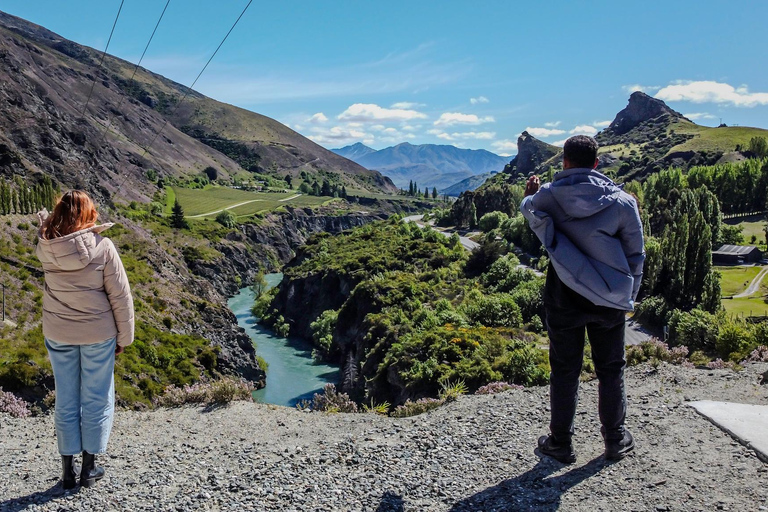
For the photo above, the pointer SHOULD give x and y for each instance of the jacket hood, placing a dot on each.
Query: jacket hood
(583, 192)
(71, 252)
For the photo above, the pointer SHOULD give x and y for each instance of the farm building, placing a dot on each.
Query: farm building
(736, 255)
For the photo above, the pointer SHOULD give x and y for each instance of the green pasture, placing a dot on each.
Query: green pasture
(211, 200)
(734, 280)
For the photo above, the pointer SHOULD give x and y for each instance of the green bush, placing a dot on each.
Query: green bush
(696, 329)
(498, 310)
(492, 220)
(227, 219)
(735, 340)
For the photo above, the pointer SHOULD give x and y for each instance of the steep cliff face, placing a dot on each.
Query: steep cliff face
(640, 108)
(532, 155)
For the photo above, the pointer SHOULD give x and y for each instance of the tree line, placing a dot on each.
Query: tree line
(16, 197)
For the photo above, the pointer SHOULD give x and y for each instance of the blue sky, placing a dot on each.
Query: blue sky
(473, 74)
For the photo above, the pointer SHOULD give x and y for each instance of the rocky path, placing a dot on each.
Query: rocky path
(475, 454)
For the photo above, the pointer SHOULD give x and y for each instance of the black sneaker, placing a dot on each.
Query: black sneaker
(561, 452)
(617, 449)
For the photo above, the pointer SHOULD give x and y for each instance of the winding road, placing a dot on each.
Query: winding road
(754, 285)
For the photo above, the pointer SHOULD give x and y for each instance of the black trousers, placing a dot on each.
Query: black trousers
(566, 328)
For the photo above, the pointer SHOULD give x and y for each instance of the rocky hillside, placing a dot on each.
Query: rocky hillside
(45, 127)
(533, 157)
(475, 454)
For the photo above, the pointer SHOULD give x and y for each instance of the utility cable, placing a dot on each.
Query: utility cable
(93, 84)
(130, 81)
(189, 89)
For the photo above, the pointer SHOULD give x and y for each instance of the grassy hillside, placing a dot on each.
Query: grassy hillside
(708, 139)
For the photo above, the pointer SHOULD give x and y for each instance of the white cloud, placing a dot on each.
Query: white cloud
(601, 124)
(464, 135)
(369, 112)
(642, 88)
(559, 143)
(695, 116)
(584, 129)
(544, 132)
(339, 135)
(479, 99)
(318, 118)
(712, 92)
(410, 128)
(553, 124)
(452, 118)
(504, 147)
(407, 105)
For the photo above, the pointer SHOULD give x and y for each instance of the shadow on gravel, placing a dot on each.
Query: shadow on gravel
(35, 499)
(391, 502)
(532, 490)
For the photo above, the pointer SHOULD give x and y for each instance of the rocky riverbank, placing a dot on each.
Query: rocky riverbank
(473, 454)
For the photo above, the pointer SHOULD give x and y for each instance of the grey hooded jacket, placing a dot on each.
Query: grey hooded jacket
(592, 231)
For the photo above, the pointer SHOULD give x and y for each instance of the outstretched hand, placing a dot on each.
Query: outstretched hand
(532, 185)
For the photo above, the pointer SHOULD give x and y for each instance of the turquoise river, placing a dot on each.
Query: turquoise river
(292, 374)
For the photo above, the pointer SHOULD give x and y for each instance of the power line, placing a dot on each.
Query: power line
(93, 84)
(109, 121)
(189, 89)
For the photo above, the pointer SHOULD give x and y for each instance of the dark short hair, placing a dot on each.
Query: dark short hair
(580, 151)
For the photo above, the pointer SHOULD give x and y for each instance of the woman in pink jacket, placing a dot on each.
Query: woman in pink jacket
(87, 320)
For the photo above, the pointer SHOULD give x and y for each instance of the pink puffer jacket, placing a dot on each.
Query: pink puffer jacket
(87, 297)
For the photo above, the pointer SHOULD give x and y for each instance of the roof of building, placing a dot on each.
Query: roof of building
(737, 250)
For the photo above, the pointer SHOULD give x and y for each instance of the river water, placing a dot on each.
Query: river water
(292, 374)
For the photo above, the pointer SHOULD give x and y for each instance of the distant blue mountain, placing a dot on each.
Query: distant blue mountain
(354, 152)
(429, 165)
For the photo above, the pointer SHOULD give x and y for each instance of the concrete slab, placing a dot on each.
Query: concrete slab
(747, 423)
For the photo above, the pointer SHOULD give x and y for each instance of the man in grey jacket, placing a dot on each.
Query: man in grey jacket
(593, 234)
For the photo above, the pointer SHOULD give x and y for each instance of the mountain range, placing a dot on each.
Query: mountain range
(428, 165)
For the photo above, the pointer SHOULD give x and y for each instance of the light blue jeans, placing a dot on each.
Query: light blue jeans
(85, 395)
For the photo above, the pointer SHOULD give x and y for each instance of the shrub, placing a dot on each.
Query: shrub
(452, 390)
(329, 400)
(759, 355)
(697, 329)
(499, 310)
(733, 340)
(653, 311)
(227, 219)
(492, 220)
(418, 407)
(224, 390)
(496, 387)
(13, 405)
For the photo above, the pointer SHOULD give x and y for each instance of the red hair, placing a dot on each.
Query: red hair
(74, 211)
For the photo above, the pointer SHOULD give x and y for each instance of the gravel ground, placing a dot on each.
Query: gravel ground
(473, 454)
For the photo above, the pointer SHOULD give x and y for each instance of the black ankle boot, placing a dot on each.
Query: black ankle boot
(68, 472)
(91, 473)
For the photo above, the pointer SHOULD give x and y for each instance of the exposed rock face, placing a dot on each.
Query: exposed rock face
(531, 154)
(641, 108)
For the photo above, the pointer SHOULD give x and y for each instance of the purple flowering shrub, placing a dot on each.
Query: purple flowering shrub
(225, 390)
(759, 355)
(329, 400)
(496, 387)
(13, 405)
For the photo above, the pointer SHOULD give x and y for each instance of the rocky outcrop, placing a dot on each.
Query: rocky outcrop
(641, 108)
(532, 154)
